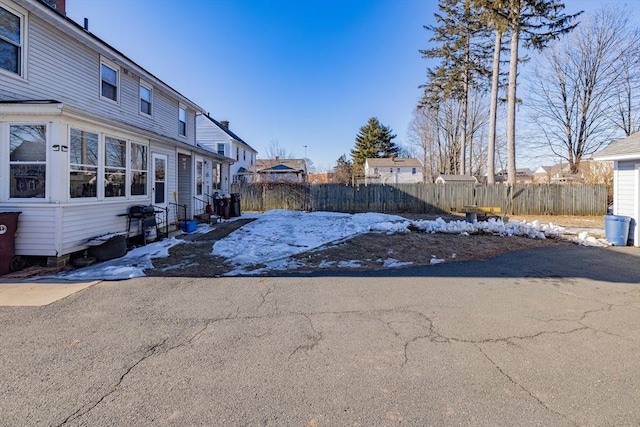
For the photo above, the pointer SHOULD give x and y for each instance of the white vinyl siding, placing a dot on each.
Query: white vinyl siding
(626, 190)
(60, 68)
(627, 195)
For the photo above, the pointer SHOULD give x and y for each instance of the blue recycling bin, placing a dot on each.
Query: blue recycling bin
(616, 229)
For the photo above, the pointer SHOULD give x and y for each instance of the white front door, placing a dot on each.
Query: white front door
(159, 182)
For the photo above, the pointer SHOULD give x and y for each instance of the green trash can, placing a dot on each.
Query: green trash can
(8, 229)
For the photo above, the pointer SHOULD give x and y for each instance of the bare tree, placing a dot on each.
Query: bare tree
(573, 95)
(422, 137)
(625, 105)
(274, 150)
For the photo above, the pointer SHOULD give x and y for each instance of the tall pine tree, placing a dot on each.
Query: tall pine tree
(535, 23)
(463, 49)
(373, 141)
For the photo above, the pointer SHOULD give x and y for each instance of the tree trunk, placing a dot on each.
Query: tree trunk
(491, 144)
(511, 100)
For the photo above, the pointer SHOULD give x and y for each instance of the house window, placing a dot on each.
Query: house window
(109, 77)
(413, 171)
(182, 121)
(221, 149)
(244, 154)
(375, 171)
(237, 153)
(27, 161)
(139, 174)
(11, 41)
(83, 159)
(391, 170)
(145, 99)
(199, 175)
(251, 159)
(115, 162)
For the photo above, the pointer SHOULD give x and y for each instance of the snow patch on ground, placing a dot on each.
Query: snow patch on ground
(269, 242)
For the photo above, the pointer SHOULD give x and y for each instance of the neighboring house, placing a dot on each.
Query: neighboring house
(281, 170)
(456, 179)
(588, 171)
(625, 154)
(87, 133)
(523, 175)
(216, 136)
(321, 178)
(392, 170)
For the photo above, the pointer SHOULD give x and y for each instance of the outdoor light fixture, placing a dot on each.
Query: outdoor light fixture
(56, 147)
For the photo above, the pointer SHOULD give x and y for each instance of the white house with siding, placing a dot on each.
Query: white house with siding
(87, 133)
(216, 136)
(625, 154)
(392, 170)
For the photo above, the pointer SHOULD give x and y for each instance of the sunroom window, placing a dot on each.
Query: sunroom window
(115, 162)
(139, 174)
(83, 159)
(27, 161)
(11, 41)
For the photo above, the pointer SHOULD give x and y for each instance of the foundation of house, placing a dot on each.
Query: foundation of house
(58, 261)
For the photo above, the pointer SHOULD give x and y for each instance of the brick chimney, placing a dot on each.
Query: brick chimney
(59, 6)
(225, 123)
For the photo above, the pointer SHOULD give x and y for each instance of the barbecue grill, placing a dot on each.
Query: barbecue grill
(145, 216)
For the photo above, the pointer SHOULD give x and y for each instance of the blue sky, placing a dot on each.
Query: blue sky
(299, 72)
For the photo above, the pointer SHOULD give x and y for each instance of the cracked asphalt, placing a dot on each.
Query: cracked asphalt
(548, 336)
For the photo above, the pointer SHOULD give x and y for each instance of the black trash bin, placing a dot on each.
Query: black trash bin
(226, 207)
(8, 228)
(235, 204)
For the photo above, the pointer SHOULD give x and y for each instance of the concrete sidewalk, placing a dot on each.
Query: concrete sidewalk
(22, 293)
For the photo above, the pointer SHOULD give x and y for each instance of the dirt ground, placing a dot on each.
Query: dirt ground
(372, 250)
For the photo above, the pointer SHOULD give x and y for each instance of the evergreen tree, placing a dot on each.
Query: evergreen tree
(342, 170)
(373, 141)
(463, 49)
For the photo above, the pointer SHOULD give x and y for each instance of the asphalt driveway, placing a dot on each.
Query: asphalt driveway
(540, 337)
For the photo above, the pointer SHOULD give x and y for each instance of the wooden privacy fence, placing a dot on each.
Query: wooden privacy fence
(519, 199)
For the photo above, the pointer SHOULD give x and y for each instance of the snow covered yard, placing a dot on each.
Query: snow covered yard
(282, 240)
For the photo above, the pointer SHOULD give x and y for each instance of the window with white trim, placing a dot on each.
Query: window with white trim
(11, 41)
(27, 160)
(115, 166)
(221, 149)
(146, 92)
(83, 163)
(237, 153)
(182, 121)
(138, 165)
(110, 78)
